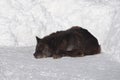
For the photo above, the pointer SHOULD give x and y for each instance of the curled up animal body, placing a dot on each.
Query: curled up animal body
(74, 42)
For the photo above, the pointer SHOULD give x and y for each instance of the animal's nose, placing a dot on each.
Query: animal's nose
(35, 55)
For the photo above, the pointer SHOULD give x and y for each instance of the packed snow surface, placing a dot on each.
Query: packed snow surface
(19, 64)
(22, 20)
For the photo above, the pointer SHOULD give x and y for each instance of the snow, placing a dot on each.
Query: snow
(22, 20)
(19, 64)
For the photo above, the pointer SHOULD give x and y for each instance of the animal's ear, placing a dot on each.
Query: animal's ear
(38, 39)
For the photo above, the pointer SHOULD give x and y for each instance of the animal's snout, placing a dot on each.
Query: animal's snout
(35, 55)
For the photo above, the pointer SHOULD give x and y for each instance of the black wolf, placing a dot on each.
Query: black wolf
(74, 42)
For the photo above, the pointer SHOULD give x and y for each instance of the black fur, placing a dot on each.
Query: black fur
(73, 42)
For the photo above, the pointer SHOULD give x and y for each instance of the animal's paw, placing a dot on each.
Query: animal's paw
(55, 56)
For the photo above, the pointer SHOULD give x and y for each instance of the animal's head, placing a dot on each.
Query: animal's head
(42, 49)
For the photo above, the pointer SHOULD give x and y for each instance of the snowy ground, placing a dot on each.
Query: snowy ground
(19, 64)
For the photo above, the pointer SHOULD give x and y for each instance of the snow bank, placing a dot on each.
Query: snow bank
(112, 41)
(22, 20)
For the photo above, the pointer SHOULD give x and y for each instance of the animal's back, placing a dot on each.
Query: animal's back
(73, 42)
(89, 44)
(55, 40)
